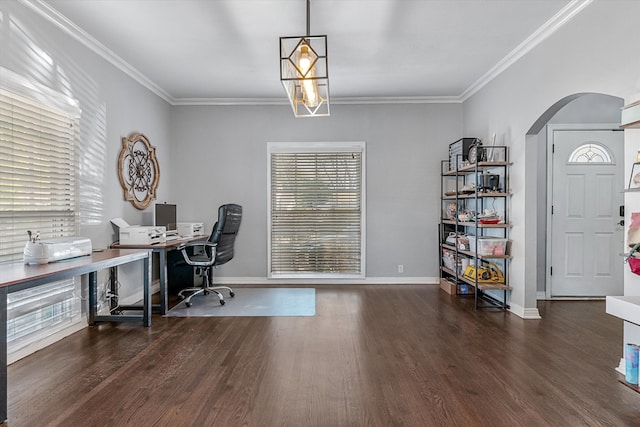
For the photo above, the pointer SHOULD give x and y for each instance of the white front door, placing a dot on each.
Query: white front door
(586, 237)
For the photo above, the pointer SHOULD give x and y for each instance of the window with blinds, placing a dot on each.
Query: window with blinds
(37, 173)
(316, 210)
(38, 193)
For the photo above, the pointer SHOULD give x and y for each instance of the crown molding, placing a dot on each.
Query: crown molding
(334, 101)
(229, 101)
(63, 23)
(548, 28)
(557, 21)
(67, 26)
(398, 100)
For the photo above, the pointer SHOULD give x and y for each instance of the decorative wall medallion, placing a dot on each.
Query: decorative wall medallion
(138, 170)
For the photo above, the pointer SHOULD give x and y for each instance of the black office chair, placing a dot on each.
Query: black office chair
(216, 251)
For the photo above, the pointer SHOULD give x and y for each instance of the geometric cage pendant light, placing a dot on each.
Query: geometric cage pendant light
(304, 73)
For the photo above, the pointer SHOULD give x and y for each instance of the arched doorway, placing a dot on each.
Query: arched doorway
(578, 109)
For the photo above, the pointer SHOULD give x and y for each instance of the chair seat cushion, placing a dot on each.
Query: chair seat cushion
(199, 258)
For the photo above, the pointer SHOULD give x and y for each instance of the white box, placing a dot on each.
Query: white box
(488, 246)
(190, 229)
(143, 235)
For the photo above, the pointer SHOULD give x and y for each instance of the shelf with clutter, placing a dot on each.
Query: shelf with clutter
(474, 226)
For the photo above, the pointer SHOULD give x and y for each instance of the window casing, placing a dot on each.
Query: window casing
(316, 210)
(39, 193)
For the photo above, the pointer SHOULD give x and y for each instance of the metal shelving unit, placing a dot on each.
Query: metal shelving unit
(460, 193)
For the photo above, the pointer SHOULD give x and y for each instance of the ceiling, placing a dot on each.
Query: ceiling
(226, 51)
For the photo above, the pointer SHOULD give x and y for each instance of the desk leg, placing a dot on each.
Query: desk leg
(113, 286)
(164, 301)
(93, 296)
(95, 318)
(3, 351)
(146, 284)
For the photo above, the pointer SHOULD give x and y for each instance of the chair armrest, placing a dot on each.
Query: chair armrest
(203, 244)
(199, 260)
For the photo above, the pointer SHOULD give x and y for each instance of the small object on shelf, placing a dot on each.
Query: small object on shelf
(473, 154)
(448, 259)
(489, 273)
(489, 217)
(634, 179)
(488, 246)
(467, 216)
(463, 243)
(489, 220)
(468, 188)
(451, 210)
(488, 182)
(451, 239)
(459, 152)
(458, 240)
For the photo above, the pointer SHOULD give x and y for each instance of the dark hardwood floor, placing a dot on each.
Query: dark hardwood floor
(397, 355)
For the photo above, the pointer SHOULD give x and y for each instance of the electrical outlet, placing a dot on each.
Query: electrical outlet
(400, 268)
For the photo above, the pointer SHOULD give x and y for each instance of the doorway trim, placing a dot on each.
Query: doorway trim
(551, 128)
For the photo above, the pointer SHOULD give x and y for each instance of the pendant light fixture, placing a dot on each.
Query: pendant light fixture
(304, 72)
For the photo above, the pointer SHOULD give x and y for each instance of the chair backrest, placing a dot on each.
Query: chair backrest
(225, 231)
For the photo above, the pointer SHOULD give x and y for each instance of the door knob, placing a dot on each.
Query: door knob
(621, 223)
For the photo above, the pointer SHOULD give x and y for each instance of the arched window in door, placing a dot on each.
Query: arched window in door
(591, 152)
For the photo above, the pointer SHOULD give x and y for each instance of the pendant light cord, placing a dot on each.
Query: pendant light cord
(308, 18)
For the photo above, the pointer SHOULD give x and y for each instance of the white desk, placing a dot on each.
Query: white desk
(161, 249)
(18, 276)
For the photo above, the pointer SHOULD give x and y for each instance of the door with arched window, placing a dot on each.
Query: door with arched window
(586, 237)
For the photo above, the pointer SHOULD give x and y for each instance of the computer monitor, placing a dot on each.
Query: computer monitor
(166, 216)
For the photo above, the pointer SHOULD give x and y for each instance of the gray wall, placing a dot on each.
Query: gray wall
(201, 148)
(219, 155)
(113, 106)
(212, 155)
(595, 52)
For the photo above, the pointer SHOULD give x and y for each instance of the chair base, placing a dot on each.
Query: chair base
(205, 290)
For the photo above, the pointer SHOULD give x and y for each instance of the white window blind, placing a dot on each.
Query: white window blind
(38, 192)
(316, 211)
(37, 173)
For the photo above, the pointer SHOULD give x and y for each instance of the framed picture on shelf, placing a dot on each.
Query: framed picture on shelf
(634, 179)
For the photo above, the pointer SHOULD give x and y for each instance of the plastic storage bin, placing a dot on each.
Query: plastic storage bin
(448, 259)
(488, 246)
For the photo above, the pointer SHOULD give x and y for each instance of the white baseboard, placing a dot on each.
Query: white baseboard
(621, 367)
(307, 281)
(525, 313)
(78, 326)
(231, 281)
(40, 344)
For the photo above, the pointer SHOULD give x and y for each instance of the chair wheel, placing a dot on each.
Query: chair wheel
(232, 294)
(222, 302)
(188, 304)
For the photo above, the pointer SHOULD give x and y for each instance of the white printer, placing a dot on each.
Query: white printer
(143, 235)
(190, 229)
(38, 251)
(139, 234)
